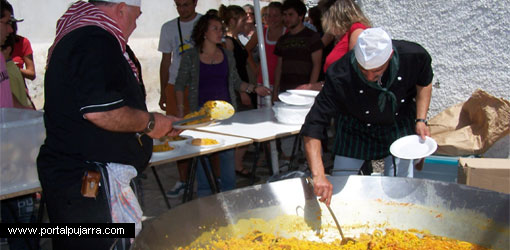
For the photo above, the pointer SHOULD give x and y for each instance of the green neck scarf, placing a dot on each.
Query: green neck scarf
(385, 94)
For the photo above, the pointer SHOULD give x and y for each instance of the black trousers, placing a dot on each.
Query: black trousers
(65, 204)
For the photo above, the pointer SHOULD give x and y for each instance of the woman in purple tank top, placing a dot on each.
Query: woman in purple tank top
(210, 73)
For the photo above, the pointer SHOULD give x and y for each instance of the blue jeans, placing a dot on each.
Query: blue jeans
(227, 178)
(350, 166)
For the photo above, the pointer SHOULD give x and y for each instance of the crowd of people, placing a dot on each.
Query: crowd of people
(375, 89)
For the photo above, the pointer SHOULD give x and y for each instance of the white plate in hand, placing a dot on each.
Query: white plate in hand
(304, 92)
(413, 147)
(293, 99)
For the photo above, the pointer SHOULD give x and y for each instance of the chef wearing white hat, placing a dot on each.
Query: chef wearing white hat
(377, 93)
(373, 49)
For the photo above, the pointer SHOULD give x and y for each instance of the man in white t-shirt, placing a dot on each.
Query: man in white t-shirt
(175, 38)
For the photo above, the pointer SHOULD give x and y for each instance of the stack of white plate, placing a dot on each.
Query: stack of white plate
(295, 106)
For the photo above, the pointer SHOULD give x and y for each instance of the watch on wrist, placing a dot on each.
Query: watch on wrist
(150, 125)
(421, 120)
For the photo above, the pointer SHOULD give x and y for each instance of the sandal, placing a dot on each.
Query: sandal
(244, 173)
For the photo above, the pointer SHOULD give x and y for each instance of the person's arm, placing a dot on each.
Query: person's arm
(423, 95)
(249, 47)
(318, 119)
(259, 89)
(179, 100)
(322, 187)
(104, 103)
(328, 104)
(164, 75)
(311, 86)
(277, 77)
(240, 85)
(29, 71)
(245, 98)
(354, 38)
(316, 60)
(126, 119)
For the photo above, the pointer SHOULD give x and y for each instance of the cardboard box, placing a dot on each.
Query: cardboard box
(487, 173)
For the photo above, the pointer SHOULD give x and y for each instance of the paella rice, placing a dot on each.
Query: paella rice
(197, 113)
(162, 147)
(291, 232)
(217, 110)
(204, 142)
(390, 239)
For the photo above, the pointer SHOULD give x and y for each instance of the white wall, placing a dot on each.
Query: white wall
(468, 40)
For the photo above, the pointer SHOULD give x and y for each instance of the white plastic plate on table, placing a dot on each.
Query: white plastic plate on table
(220, 143)
(293, 99)
(168, 153)
(304, 92)
(193, 125)
(413, 147)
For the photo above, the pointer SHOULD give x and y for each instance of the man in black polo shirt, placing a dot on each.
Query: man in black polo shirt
(96, 119)
(377, 93)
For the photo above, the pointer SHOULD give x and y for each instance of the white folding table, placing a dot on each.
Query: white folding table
(187, 151)
(260, 125)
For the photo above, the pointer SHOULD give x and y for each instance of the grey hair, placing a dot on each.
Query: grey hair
(101, 3)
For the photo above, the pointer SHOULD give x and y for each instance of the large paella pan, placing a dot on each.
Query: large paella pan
(362, 204)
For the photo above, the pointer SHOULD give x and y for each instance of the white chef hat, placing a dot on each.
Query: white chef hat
(373, 48)
(128, 2)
